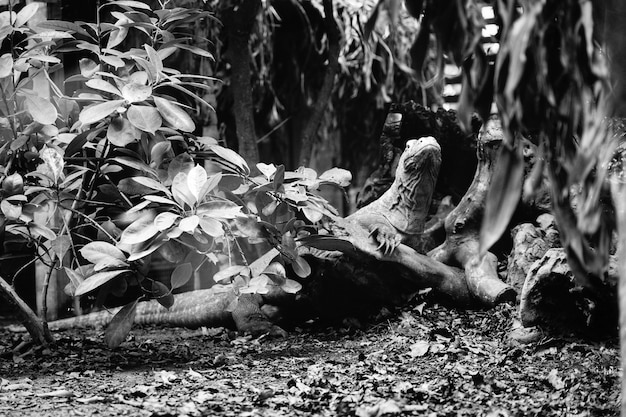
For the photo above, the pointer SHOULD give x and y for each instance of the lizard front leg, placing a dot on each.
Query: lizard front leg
(386, 236)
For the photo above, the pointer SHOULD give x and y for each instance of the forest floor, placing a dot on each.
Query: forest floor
(426, 361)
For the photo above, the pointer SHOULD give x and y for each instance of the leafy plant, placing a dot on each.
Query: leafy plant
(108, 174)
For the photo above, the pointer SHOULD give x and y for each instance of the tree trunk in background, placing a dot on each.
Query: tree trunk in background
(317, 112)
(239, 19)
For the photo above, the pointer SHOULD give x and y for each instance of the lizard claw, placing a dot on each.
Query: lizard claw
(387, 240)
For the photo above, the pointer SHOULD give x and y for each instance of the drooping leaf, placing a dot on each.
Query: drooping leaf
(219, 209)
(174, 115)
(262, 262)
(165, 220)
(96, 251)
(97, 112)
(342, 177)
(290, 286)
(6, 65)
(88, 67)
(112, 60)
(129, 3)
(42, 110)
(162, 294)
(27, 12)
(211, 226)
(97, 280)
(38, 229)
(11, 211)
(301, 267)
(146, 118)
(228, 272)
(151, 183)
(181, 275)
(140, 230)
(230, 159)
(120, 325)
(121, 132)
(503, 196)
(102, 85)
(60, 245)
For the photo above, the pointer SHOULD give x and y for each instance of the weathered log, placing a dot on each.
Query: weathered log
(463, 227)
(552, 299)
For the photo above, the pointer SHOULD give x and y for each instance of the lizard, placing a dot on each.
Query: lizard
(396, 217)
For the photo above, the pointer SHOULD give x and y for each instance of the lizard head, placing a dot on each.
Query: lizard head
(420, 160)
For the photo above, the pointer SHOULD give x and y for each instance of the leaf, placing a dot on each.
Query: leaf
(88, 67)
(189, 224)
(181, 275)
(174, 115)
(146, 118)
(329, 243)
(133, 163)
(41, 230)
(162, 294)
(156, 244)
(266, 170)
(13, 184)
(102, 85)
(112, 60)
(151, 183)
(419, 348)
(140, 230)
(97, 112)
(181, 192)
(62, 26)
(342, 177)
(129, 3)
(301, 267)
(211, 227)
(117, 35)
(290, 286)
(10, 211)
(134, 92)
(503, 196)
(219, 210)
(6, 65)
(165, 220)
(121, 132)
(233, 160)
(228, 272)
(27, 12)
(61, 245)
(97, 280)
(196, 178)
(42, 110)
(257, 285)
(54, 162)
(95, 252)
(120, 325)
(262, 262)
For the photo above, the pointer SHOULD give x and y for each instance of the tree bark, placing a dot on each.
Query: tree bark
(239, 19)
(35, 326)
(463, 228)
(310, 129)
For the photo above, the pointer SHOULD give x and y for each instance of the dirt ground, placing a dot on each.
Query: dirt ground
(426, 361)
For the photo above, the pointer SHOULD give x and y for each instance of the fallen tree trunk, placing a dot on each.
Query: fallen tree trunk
(462, 225)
